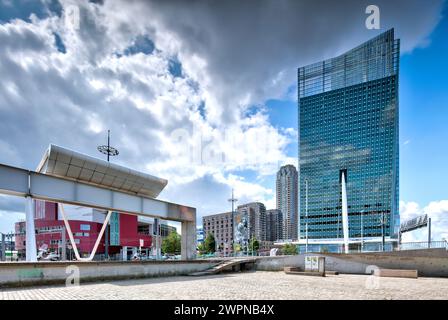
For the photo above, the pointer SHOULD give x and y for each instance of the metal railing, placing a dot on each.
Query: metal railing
(423, 245)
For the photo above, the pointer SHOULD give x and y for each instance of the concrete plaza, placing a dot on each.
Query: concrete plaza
(245, 285)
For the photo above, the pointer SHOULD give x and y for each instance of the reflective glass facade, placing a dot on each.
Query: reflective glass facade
(348, 121)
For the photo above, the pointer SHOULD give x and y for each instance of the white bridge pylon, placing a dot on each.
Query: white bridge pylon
(344, 213)
(72, 240)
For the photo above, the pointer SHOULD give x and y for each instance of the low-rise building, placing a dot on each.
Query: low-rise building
(220, 226)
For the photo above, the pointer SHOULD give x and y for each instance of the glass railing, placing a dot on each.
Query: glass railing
(423, 245)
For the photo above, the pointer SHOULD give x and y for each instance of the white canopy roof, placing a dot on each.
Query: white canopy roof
(62, 162)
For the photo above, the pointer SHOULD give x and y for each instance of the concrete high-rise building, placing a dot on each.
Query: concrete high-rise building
(274, 225)
(348, 146)
(221, 227)
(250, 221)
(287, 200)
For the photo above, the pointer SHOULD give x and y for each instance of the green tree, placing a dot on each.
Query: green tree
(289, 249)
(254, 245)
(210, 243)
(201, 248)
(171, 244)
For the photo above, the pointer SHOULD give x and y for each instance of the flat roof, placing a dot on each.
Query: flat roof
(61, 162)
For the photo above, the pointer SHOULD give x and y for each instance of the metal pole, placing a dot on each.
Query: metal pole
(429, 233)
(233, 200)
(362, 231)
(106, 243)
(64, 245)
(233, 219)
(382, 231)
(108, 144)
(3, 258)
(306, 215)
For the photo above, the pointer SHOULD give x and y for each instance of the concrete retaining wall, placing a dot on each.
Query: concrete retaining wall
(40, 273)
(429, 263)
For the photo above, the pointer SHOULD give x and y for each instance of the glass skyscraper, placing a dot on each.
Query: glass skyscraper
(348, 122)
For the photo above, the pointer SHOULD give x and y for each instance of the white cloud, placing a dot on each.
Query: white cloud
(436, 210)
(71, 99)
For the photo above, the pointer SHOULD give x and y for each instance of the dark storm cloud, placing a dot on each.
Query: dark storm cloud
(247, 44)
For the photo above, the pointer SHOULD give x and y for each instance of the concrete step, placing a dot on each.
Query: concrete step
(331, 273)
(398, 273)
(299, 271)
(307, 273)
(292, 269)
(220, 267)
(201, 273)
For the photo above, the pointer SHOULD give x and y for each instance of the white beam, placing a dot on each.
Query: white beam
(21, 182)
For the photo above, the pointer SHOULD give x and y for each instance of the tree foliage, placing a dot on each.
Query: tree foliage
(289, 249)
(201, 248)
(237, 247)
(171, 244)
(254, 244)
(210, 244)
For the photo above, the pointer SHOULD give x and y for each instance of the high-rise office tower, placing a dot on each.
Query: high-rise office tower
(250, 221)
(287, 202)
(274, 225)
(348, 145)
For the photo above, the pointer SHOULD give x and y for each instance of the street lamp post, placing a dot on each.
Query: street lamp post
(306, 215)
(109, 151)
(383, 244)
(362, 230)
(233, 200)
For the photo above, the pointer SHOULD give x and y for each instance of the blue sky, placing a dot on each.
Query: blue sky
(424, 119)
(156, 67)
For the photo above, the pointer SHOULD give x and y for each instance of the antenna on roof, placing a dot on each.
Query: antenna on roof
(108, 150)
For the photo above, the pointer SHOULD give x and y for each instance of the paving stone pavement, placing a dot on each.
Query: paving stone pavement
(245, 285)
